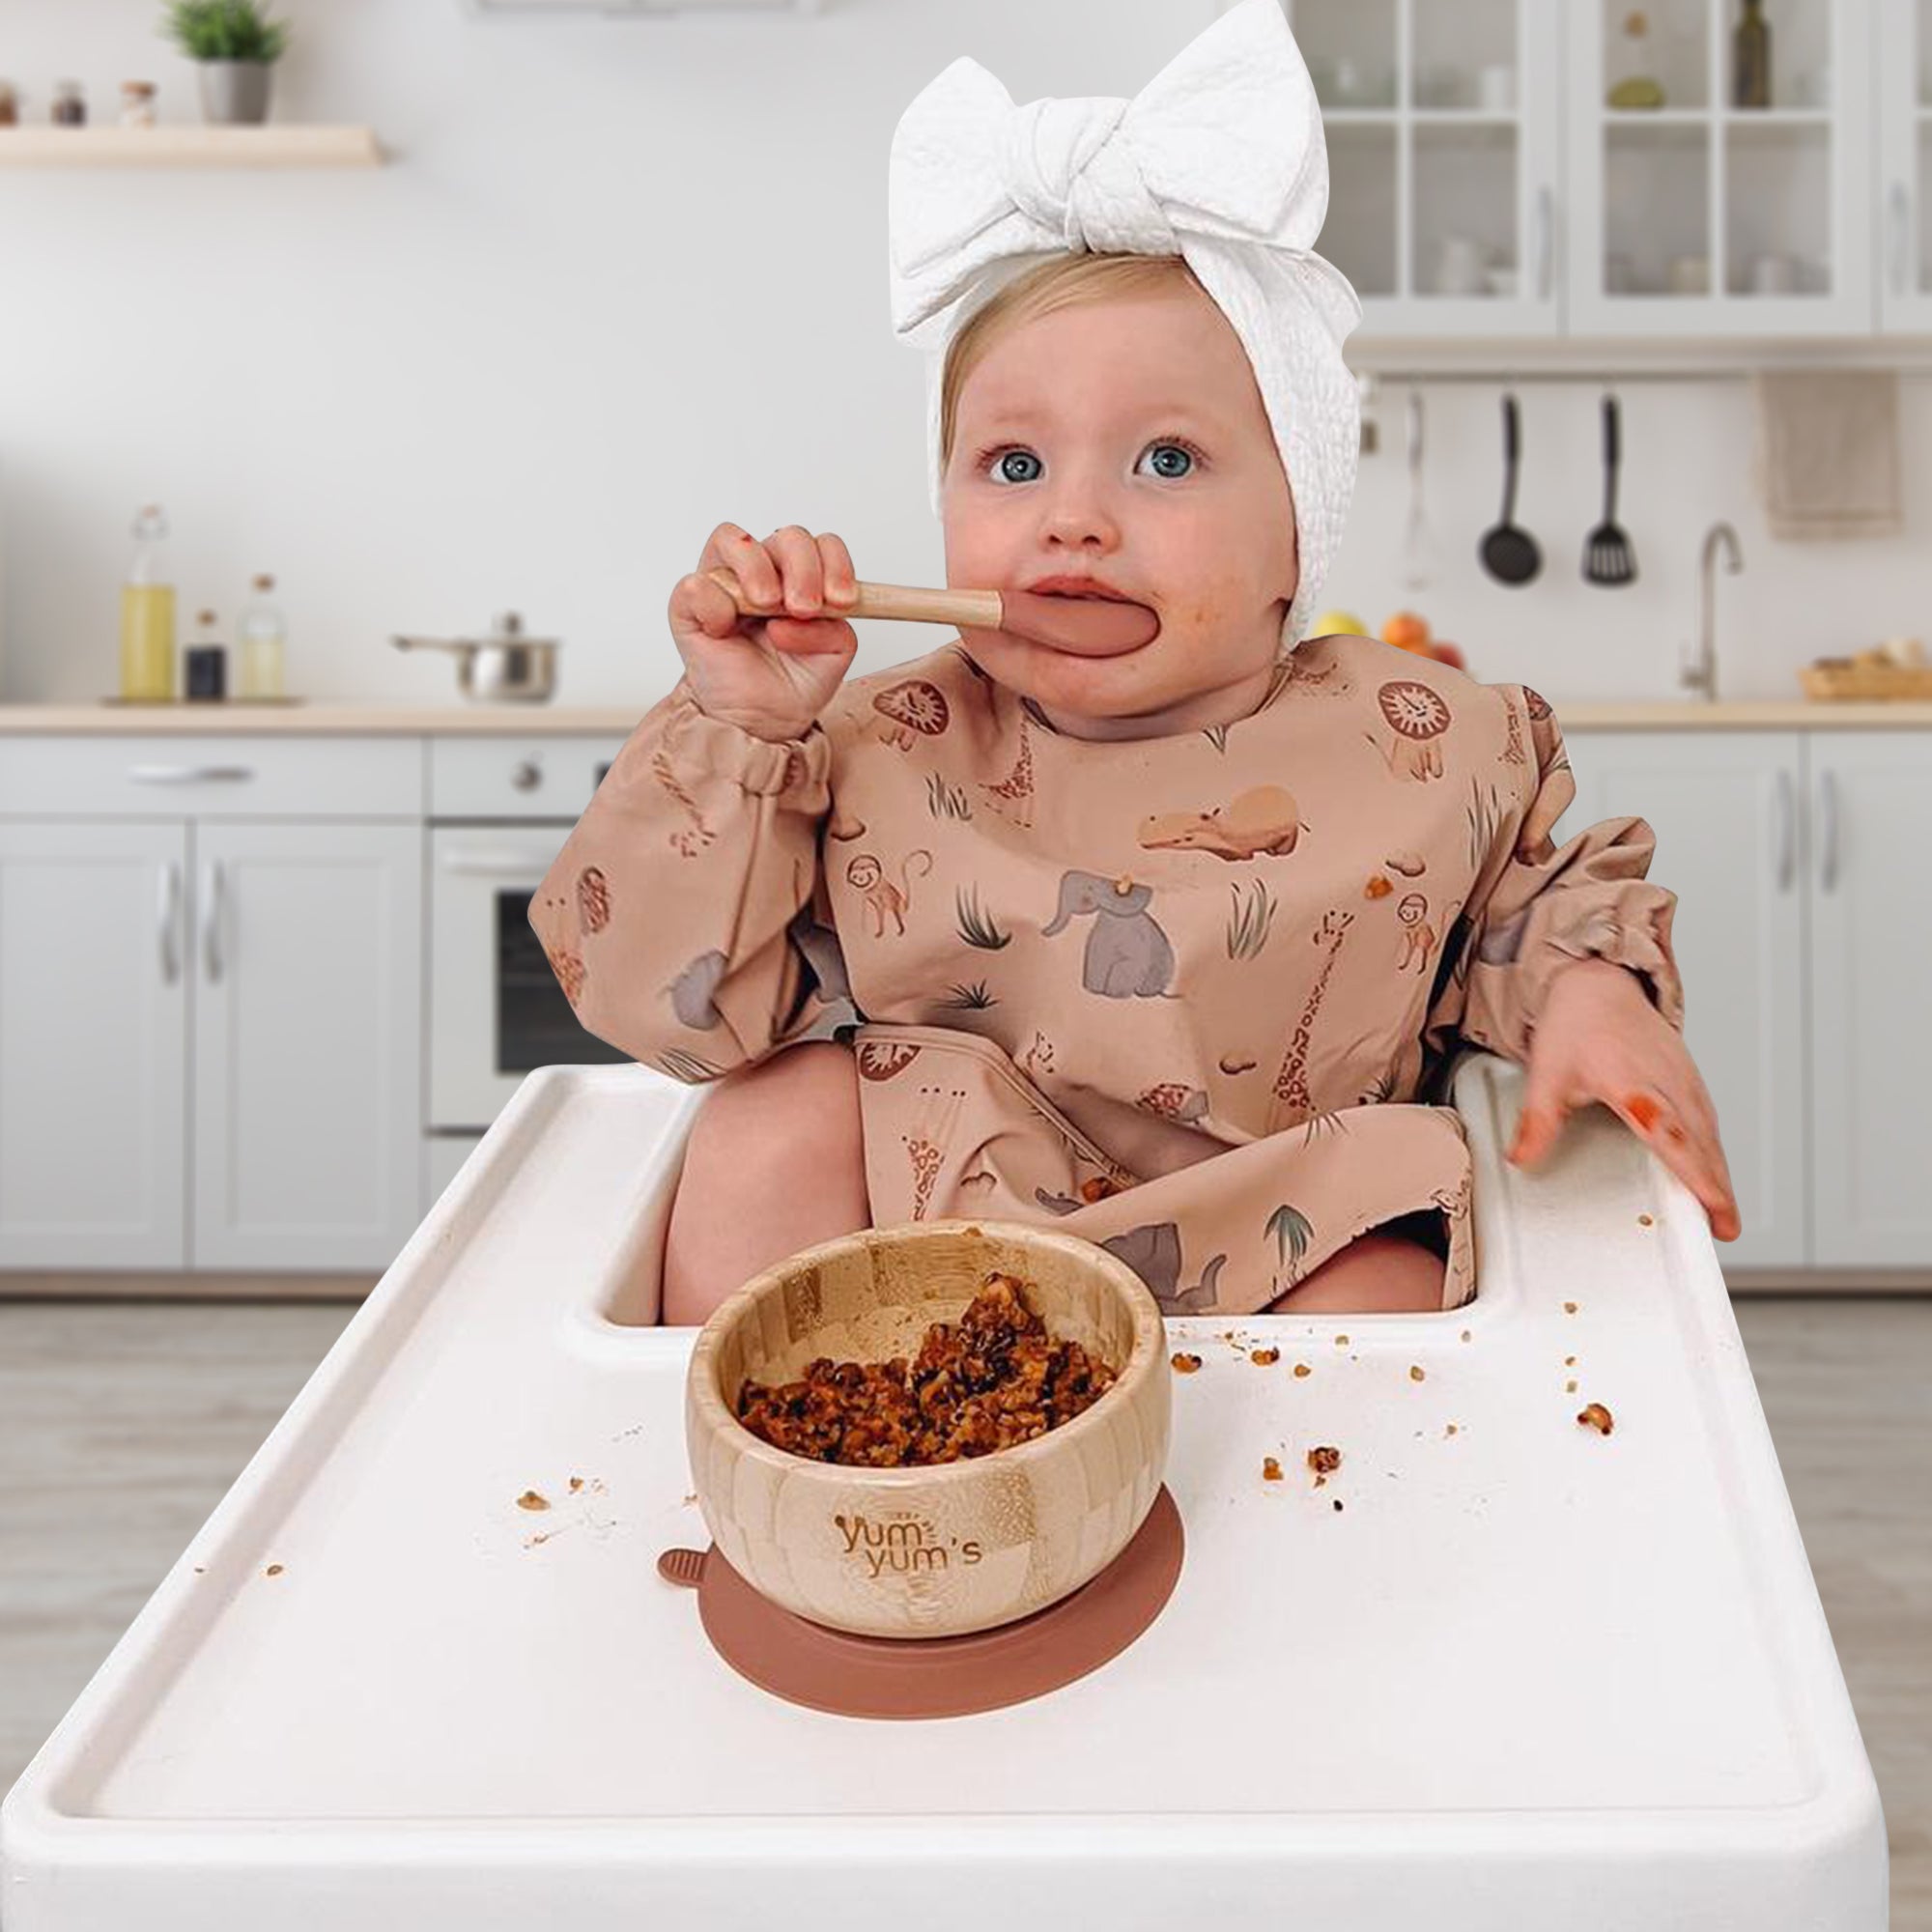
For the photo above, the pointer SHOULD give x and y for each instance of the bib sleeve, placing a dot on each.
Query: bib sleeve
(671, 916)
(1540, 907)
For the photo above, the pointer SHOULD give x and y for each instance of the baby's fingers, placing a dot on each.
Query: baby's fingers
(1674, 1129)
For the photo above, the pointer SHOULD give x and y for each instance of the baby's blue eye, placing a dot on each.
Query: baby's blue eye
(1000, 470)
(1176, 450)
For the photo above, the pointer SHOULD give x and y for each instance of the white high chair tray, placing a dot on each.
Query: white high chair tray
(1528, 1674)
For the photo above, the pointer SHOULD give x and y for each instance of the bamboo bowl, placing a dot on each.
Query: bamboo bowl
(947, 1547)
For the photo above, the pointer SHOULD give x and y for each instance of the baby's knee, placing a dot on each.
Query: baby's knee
(801, 1104)
(1374, 1274)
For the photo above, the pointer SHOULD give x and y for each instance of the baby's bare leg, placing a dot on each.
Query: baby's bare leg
(1374, 1274)
(776, 1162)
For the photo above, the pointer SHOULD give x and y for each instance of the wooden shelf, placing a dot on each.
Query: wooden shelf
(190, 147)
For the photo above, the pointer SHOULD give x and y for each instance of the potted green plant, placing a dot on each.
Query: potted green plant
(234, 44)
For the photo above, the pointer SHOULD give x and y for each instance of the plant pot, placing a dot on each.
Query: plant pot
(234, 93)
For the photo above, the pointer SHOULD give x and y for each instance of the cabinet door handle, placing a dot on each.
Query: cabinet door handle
(1545, 224)
(211, 920)
(170, 914)
(1787, 832)
(178, 775)
(1828, 841)
(1900, 230)
(486, 864)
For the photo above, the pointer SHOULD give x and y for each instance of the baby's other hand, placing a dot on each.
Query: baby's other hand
(1600, 1038)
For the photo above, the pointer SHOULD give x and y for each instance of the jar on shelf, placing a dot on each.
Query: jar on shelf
(137, 103)
(9, 106)
(70, 105)
(206, 662)
(263, 636)
(148, 615)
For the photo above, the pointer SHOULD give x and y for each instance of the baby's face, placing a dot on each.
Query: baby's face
(1126, 440)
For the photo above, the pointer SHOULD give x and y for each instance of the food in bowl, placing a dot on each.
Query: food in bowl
(991, 1380)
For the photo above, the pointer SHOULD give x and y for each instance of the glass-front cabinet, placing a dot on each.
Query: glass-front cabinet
(1720, 167)
(1593, 168)
(1443, 121)
(1905, 169)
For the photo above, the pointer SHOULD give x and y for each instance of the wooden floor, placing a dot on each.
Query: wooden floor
(122, 1425)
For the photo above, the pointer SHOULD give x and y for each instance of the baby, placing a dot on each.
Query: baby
(1170, 944)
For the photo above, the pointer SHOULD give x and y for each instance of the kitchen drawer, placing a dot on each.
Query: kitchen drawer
(543, 776)
(166, 776)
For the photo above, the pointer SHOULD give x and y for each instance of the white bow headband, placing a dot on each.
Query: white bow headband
(1220, 159)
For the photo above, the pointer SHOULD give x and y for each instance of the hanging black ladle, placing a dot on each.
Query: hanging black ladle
(1510, 554)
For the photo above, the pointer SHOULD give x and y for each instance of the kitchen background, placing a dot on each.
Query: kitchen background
(521, 366)
(617, 278)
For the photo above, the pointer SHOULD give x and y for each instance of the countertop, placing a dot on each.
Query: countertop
(335, 719)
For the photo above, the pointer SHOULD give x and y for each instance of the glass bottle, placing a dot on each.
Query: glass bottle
(1750, 58)
(137, 103)
(206, 660)
(148, 615)
(1638, 87)
(70, 105)
(263, 636)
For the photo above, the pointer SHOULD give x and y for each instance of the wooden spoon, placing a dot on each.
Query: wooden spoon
(1087, 626)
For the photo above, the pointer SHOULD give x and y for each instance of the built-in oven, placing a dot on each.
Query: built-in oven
(500, 810)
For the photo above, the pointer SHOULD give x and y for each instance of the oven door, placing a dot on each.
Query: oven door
(495, 1010)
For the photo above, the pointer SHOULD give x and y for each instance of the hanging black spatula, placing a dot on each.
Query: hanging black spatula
(1509, 554)
(1607, 557)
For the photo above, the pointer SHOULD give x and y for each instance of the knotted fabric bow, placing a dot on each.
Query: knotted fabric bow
(1219, 159)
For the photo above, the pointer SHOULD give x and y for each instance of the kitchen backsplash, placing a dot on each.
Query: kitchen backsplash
(525, 365)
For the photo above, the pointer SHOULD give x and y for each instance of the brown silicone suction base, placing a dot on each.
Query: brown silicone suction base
(856, 1676)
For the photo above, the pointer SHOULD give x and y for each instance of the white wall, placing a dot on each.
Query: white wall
(622, 279)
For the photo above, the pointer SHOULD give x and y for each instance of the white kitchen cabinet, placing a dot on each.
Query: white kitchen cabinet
(1803, 923)
(1702, 218)
(1904, 99)
(1443, 121)
(1870, 796)
(211, 1002)
(1725, 809)
(1480, 183)
(308, 1057)
(92, 1035)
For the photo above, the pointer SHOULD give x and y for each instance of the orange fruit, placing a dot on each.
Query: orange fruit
(1405, 630)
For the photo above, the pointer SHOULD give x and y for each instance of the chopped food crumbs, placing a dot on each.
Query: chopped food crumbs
(1186, 1364)
(990, 1380)
(1265, 1358)
(1338, 1502)
(1340, 1340)
(1415, 1374)
(692, 1498)
(1325, 1462)
(1452, 1428)
(1270, 1469)
(1594, 1415)
(1569, 1308)
(1645, 1221)
(273, 1569)
(1570, 1387)
(1303, 1369)
(1568, 1361)
(1466, 1334)
(576, 1484)
(531, 1500)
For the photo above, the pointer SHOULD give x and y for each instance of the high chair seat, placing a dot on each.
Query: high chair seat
(1498, 1669)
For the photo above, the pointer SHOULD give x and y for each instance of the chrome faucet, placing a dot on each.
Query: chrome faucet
(1700, 670)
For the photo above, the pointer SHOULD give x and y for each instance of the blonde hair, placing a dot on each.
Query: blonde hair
(1059, 282)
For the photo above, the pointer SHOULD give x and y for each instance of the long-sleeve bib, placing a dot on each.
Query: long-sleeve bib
(1183, 995)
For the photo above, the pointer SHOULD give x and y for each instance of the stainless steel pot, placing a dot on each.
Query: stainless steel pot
(504, 667)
